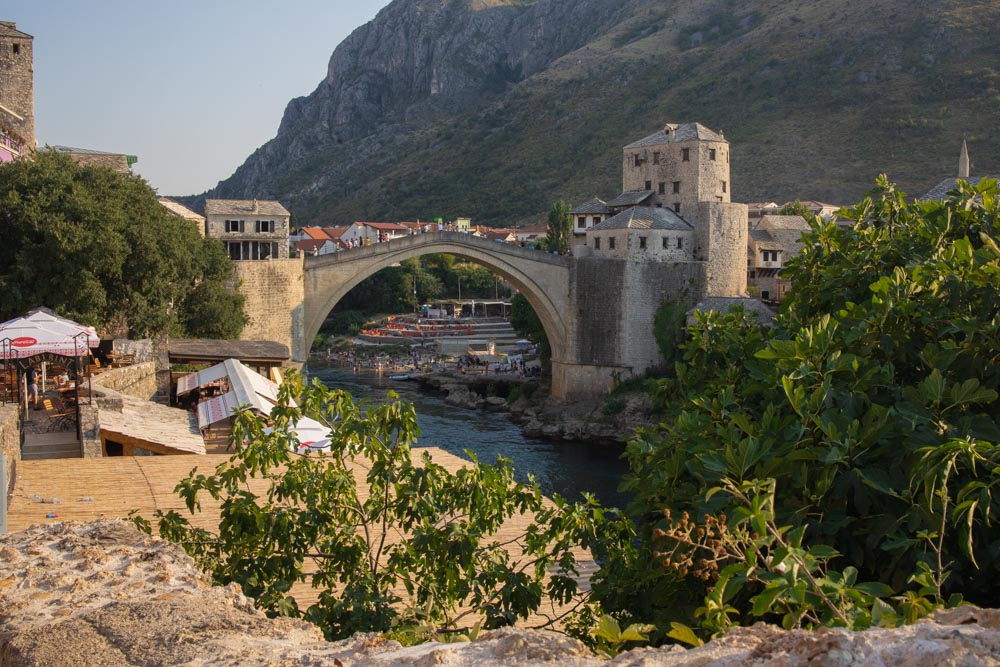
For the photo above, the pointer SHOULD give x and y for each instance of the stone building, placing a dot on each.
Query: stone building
(592, 212)
(17, 96)
(249, 229)
(676, 205)
(773, 241)
(182, 211)
(644, 234)
(88, 157)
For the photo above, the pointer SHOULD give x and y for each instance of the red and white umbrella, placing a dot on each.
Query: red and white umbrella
(41, 332)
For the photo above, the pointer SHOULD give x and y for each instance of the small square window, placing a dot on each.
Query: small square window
(665, 242)
(686, 154)
(638, 160)
(649, 185)
(597, 219)
(711, 154)
(656, 157)
(680, 243)
(723, 186)
(611, 243)
(676, 186)
(663, 187)
(642, 243)
(16, 48)
(597, 243)
(677, 207)
(581, 222)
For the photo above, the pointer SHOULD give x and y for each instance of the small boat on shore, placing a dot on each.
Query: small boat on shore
(399, 376)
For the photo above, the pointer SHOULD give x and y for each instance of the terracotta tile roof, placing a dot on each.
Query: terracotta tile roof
(308, 245)
(385, 226)
(244, 207)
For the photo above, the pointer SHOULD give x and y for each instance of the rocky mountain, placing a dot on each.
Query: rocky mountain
(495, 108)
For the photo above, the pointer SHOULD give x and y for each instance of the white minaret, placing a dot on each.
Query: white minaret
(963, 161)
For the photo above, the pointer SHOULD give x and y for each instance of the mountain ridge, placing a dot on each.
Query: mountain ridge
(494, 109)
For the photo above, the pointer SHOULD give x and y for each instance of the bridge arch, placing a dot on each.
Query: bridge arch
(542, 278)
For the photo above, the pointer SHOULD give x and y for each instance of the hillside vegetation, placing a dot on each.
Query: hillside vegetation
(495, 109)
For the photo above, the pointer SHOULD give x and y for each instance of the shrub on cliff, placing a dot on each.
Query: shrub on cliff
(412, 544)
(854, 441)
(96, 246)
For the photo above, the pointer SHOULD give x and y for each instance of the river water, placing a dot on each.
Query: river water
(565, 467)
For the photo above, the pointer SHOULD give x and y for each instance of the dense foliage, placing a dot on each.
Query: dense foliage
(560, 228)
(95, 245)
(413, 544)
(839, 467)
(526, 323)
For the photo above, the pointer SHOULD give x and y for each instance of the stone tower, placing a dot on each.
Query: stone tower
(685, 167)
(17, 98)
(963, 161)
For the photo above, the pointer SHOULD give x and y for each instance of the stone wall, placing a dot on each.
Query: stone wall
(143, 349)
(275, 298)
(10, 442)
(17, 85)
(722, 241)
(138, 380)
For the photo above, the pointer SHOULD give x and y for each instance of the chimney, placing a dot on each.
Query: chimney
(256, 206)
(963, 161)
(668, 128)
(9, 24)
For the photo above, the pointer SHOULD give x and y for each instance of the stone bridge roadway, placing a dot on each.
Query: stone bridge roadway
(543, 278)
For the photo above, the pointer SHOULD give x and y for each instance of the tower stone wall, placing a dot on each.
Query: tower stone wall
(17, 95)
(703, 176)
(275, 300)
(722, 243)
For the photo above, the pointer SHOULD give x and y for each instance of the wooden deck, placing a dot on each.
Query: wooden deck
(112, 487)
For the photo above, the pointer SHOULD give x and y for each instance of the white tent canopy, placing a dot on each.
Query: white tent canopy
(41, 331)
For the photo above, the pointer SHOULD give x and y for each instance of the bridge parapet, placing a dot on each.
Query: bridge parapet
(436, 238)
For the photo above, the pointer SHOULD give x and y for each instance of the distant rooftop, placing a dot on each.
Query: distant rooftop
(244, 207)
(672, 133)
(642, 217)
(180, 209)
(940, 191)
(9, 29)
(631, 198)
(129, 159)
(591, 206)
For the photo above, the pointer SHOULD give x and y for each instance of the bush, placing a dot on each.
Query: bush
(853, 441)
(440, 555)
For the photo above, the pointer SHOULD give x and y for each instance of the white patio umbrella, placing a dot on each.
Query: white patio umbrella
(41, 331)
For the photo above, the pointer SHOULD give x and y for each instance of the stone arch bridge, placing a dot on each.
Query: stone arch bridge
(597, 311)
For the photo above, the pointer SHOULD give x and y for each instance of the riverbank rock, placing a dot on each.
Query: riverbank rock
(102, 593)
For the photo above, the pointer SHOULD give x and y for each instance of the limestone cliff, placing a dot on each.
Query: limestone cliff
(495, 108)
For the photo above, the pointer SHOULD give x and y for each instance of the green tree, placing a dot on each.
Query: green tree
(796, 208)
(95, 245)
(855, 440)
(526, 323)
(560, 229)
(415, 544)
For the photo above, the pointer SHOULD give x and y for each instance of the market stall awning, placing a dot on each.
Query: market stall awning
(246, 388)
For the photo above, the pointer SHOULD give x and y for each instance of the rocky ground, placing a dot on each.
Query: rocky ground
(102, 593)
(542, 417)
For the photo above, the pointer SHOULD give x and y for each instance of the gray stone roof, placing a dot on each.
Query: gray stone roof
(82, 151)
(786, 230)
(940, 191)
(724, 303)
(764, 241)
(631, 198)
(244, 207)
(642, 217)
(591, 206)
(9, 29)
(180, 209)
(681, 132)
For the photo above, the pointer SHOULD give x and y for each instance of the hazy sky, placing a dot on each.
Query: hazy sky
(191, 87)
